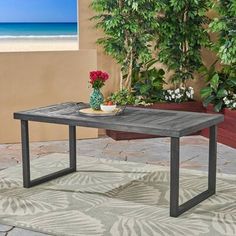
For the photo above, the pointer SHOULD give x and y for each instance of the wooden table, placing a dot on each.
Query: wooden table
(172, 124)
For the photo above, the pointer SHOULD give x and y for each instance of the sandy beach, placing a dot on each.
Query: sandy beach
(38, 44)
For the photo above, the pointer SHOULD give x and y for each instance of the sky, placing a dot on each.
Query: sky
(38, 10)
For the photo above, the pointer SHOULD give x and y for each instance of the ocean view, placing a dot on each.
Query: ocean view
(37, 30)
(38, 36)
(40, 25)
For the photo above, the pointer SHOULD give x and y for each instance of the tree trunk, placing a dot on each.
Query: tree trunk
(127, 68)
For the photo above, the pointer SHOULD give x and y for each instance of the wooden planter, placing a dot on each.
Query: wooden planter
(227, 129)
(194, 106)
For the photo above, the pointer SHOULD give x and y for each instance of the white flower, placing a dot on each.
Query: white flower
(190, 88)
(227, 102)
(188, 94)
(234, 105)
(166, 97)
(173, 95)
(177, 90)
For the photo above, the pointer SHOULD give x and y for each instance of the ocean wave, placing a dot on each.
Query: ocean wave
(38, 36)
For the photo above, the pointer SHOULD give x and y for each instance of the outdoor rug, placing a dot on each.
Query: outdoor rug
(113, 198)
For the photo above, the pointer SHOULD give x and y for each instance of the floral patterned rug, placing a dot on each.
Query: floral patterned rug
(113, 198)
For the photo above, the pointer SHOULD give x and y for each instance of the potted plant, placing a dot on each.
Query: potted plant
(220, 96)
(148, 92)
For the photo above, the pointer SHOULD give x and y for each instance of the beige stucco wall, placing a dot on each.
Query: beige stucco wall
(31, 79)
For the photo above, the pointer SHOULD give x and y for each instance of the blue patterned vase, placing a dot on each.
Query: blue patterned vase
(96, 99)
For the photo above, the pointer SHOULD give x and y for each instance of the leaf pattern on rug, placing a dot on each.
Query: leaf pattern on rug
(99, 166)
(136, 191)
(89, 178)
(71, 223)
(184, 195)
(146, 221)
(89, 201)
(219, 199)
(23, 203)
(8, 183)
(157, 177)
(114, 198)
(224, 220)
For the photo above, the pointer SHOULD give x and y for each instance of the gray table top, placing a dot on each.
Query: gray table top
(139, 120)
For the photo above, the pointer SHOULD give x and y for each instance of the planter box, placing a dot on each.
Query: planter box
(185, 106)
(227, 129)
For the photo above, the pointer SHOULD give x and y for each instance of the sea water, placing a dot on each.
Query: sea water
(37, 30)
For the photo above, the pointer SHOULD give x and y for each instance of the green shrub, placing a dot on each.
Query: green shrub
(148, 82)
(221, 86)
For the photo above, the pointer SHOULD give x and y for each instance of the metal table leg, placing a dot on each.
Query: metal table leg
(25, 153)
(175, 208)
(27, 182)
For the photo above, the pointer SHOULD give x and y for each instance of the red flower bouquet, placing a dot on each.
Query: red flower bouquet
(98, 78)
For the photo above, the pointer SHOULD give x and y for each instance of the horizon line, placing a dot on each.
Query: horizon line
(40, 22)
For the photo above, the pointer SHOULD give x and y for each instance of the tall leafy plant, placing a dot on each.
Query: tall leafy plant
(130, 28)
(225, 26)
(181, 36)
(221, 85)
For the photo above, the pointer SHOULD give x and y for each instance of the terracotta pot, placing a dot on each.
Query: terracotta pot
(193, 106)
(230, 113)
(227, 129)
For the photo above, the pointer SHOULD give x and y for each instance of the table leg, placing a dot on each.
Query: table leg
(212, 159)
(27, 182)
(174, 178)
(25, 153)
(72, 144)
(175, 208)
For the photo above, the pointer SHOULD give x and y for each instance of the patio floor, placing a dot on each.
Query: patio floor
(194, 155)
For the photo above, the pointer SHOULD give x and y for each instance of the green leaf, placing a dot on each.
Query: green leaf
(144, 88)
(215, 81)
(218, 107)
(205, 92)
(208, 100)
(202, 70)
(222, 93)
(233, 81)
